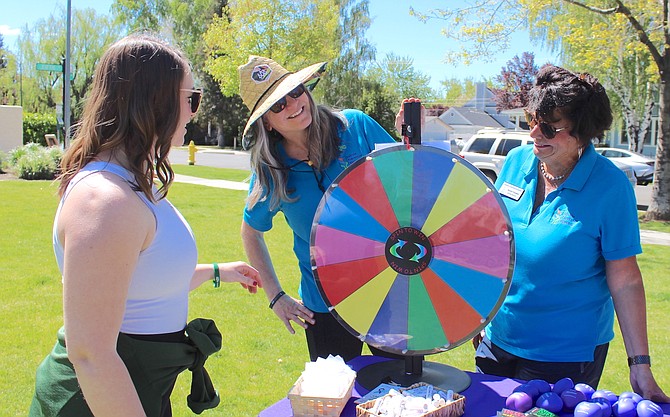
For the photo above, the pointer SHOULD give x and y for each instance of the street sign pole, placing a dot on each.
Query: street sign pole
(66, 79)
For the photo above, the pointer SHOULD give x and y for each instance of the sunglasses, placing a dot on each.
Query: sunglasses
(194, 99)
(281, 104)
(548, 131)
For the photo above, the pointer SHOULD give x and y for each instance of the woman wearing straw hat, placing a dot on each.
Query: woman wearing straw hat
(299, 149)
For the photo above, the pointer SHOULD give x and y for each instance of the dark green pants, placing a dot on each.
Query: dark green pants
(153, 367)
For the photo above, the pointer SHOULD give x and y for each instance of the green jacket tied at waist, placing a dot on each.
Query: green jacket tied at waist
(153, 367)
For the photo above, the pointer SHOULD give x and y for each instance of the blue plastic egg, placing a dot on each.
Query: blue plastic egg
(587, 409)
(647, 408)
(571, 397)
(625, 407)
(550, 401)
(563, 384)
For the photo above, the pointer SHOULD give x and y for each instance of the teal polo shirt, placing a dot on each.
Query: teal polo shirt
(356, 141)
(559, 307)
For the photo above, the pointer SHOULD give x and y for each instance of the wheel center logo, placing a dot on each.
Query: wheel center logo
(408, 251)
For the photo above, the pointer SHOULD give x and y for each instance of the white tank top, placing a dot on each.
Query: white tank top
(158, 294)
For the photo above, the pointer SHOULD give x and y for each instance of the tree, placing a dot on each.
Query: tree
(9, 80)
(3, 57)
(607, 47)
(45, 42)
(516, 79)
(380, 104)
(398, 76)
(344, 83)
(457, 92)
(9, 88)
(649, 21)
(139, 15)
(186, 23)
(293, 33)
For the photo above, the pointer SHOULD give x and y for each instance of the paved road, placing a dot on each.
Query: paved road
(223, 158)
(240, 160)
(212, 157)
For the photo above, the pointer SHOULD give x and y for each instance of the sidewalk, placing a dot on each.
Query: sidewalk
(654, 238)
(231, 185)
(646, 236)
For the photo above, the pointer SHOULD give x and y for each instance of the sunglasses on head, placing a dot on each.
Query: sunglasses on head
(194, 98)
(281, 104)
(548, 131)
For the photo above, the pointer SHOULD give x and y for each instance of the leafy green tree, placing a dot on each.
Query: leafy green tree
(378, 102)
(344, 83)
(44, 42)
(139, 15)
(221, 117)
(486, 27)
(9, 82)
(294, 33)
(606, 46)
(458, 91)
(3, 57)
(398, 76)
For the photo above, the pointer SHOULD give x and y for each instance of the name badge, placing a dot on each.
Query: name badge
(511, 191)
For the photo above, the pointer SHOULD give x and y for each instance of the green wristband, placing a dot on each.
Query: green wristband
(217, 276)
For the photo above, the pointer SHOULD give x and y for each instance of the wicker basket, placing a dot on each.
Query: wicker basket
(454, 409)
(317, 406)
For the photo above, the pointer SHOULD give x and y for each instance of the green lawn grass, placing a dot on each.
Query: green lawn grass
(653, 225)
(259, 360)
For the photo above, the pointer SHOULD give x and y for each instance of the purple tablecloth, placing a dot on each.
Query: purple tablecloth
(483, 398)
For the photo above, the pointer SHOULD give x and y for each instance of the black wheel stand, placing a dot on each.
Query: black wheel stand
(412, 370)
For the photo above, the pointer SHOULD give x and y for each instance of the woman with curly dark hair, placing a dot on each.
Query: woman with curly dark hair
(577, 236)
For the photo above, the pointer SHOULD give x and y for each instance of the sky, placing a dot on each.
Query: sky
(392, 30)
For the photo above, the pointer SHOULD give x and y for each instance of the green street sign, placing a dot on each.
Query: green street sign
(49, 67)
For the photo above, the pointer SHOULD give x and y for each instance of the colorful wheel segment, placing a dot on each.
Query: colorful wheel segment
(412, 250)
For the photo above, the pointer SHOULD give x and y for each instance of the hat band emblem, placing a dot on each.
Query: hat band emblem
(261, 73)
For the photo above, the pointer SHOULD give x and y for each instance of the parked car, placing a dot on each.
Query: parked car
(643, 166)
(628, 170)
(488, 148)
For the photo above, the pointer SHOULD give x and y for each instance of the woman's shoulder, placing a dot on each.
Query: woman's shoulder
(101, 187)
(353, 114)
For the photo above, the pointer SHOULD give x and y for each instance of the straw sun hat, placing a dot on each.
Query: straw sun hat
(263, 82)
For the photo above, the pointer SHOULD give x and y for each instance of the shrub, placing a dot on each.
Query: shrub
(36, 125)
(35, 162)
(3, 161)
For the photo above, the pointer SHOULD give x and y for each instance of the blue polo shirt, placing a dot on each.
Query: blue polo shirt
(559, 307)
(356, 141)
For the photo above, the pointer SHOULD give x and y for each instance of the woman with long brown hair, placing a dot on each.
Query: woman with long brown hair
(127, 256)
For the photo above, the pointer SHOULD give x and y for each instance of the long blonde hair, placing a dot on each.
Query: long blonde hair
(323, 147)
(132, 108)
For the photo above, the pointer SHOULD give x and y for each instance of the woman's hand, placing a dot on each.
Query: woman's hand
(289, 309)
(241, 272)
(642, 381)
(400, 116)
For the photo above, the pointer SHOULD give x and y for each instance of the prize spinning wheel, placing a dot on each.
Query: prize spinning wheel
(412, 250)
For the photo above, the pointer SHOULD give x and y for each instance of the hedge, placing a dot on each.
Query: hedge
(36, 125)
